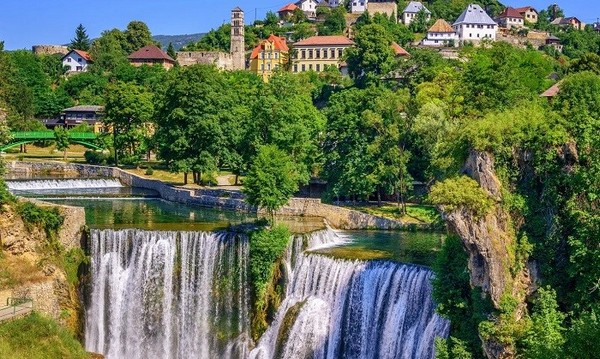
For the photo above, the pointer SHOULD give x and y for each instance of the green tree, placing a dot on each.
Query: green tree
(171, 51)
(420, 22)
(582, 338)
(129, 110)
(335, 22)
(61, 137)
(545, 339)
(372, 57)
(81, 41)
(272, 179)
(108, 52)
(137, 35)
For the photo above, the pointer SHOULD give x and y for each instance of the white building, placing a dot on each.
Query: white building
(76, 61)
(358, 6)
(309, 7)
(474, 25)
(511, 18)
(441, 34)
(334, 3)
(411, 11)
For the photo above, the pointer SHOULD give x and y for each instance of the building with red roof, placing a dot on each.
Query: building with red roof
(529, 13)
(269, 56)
(151, 55)
(287, 11)
(510, 18)
(76, 61)
(316, 53)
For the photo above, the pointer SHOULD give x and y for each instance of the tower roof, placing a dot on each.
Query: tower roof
(474, 14)
(237, 8)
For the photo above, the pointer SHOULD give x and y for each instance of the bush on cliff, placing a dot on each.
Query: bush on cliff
(267, 246)
(464, 192)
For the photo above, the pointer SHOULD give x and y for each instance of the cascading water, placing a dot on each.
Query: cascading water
(168, 295)
(185, 295)
(56, 184)
(352, 309)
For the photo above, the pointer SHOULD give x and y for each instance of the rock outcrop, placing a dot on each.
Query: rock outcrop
(491, 244)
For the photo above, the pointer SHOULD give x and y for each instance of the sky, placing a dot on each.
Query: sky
(24, 23)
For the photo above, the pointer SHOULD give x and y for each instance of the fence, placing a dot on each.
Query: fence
(16, 307)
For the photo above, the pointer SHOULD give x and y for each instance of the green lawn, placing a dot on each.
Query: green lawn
(36, 337)
(416, 213)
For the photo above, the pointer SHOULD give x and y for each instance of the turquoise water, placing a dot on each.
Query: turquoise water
(406, 247)
(152, 214)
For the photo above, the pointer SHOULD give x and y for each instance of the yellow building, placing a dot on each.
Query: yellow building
(268, 56)
(319, 52)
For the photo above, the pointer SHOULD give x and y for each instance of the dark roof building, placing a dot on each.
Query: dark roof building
(151, 55)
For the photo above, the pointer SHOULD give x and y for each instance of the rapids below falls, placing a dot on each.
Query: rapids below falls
(185, 294)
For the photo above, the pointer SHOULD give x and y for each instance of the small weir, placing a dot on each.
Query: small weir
(62, 184)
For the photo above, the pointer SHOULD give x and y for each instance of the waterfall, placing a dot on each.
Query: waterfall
(168, 295)
(55, 184)
(352, 309)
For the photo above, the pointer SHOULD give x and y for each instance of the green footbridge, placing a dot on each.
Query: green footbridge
(22, 138)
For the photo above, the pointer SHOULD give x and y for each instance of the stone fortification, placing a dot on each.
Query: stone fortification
(50, 50)
(338, 217)
(221, 60)
(388, 8)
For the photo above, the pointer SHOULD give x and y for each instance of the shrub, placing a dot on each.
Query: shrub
(96, 157)
(149, 171)
(49, 219)
(461, 192)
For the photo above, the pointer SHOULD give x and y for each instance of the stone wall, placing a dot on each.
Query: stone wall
(338, 217)
(221, 60)
(388, 8)
(50, 49)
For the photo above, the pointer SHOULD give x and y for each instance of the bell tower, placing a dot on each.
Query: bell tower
(238, 51)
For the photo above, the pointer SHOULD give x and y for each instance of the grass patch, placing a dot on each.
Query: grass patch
(416, 213)
(15, 271)
(36, 337)
(49, 219)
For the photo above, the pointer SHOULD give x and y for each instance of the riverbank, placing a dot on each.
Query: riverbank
(338, 217)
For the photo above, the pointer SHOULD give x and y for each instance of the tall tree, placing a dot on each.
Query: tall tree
(81, 40)
(61, 136)
(171, 51)
(272, 180)
(137, 35)
(129, 110)
(372, 57)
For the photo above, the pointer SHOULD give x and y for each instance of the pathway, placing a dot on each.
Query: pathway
(15, 307)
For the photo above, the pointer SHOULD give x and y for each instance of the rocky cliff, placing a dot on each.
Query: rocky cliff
(28, 269)
(491, 243)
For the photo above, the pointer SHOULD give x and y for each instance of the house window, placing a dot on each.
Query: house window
(79, 68)
(69, 59)
(310, 66)
(340, 52)
(310, 54)
(318, 67)
(262, 67)
(318, 54)
(269, 67)
(295, 68)
(276, 55)
(303, 67)
(325, 53)
(79, 59)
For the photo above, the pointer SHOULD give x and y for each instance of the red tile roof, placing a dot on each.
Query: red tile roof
(510, 12)
(150, 52)
(552, 91)
(524, 9)
(288, 7)
(84, 54)
(278, 42)
(325, 40)
(398, 50)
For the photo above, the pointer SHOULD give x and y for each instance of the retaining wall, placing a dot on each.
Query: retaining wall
(338, 217)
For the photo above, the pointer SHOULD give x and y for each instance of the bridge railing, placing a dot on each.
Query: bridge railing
(49, 135)
(16, 307)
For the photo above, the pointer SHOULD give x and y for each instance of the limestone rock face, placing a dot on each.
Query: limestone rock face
(490, 242)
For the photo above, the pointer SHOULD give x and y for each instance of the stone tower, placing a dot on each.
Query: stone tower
(238, 51)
